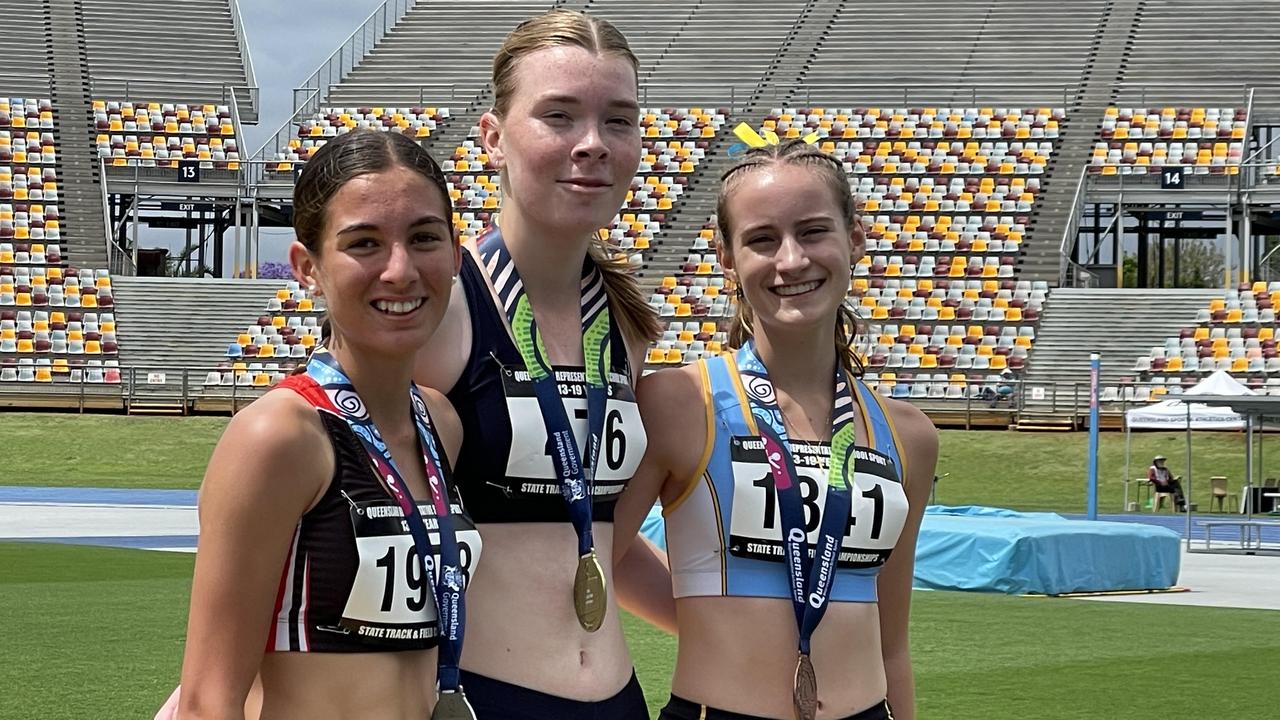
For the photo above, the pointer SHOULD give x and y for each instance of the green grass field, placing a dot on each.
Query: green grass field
(1027, 471)
(97, 633)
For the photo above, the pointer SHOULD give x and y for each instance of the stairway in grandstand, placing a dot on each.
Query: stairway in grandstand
(175, 51)
(179, 323)
(1122, 325)
(438, 54)
(69, 78)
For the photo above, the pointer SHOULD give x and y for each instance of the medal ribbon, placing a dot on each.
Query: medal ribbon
(577, 479)
(451, 613)
(810, 582)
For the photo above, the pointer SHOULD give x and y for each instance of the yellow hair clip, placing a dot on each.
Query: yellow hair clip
(753, 139)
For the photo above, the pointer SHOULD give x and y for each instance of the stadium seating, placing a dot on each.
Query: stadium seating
(279, 340)
(938, 286)
(159, 134)
(1236, 333)
(1132, 141)
(418, 122)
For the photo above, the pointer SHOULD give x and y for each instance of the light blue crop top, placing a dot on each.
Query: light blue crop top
(723, 534)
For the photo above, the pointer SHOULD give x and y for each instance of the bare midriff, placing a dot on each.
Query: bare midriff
(739, 654)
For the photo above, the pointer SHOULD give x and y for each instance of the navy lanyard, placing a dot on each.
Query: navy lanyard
(451, 614)
(810, 582)
(576, 477)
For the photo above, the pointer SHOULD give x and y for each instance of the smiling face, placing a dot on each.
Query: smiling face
(791, 250)
(385, 261)
(568, 140)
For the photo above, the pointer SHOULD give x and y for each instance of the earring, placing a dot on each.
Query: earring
(455, 279)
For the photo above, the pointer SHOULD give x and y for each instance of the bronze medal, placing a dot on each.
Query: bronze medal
(589, 595)
(804, 692)
(453, 705)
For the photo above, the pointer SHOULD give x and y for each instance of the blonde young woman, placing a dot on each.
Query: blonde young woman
(333, 550)
(792, 493)
(547, 336)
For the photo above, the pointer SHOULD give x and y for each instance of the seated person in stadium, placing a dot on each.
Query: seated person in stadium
(316, 570)
(1163, 481)
(1004, 388)
(743, 504)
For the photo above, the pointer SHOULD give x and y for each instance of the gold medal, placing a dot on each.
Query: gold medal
(804, 691)
(589, 595)
(453, 705)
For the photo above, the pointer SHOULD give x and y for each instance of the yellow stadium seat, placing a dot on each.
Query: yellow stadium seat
(655, 356)
(278, 321)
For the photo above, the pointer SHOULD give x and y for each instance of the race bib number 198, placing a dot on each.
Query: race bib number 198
(392, 599)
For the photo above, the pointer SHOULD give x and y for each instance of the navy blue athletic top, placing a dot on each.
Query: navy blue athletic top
(508, 477)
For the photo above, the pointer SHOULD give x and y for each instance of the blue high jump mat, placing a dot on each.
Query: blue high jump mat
(997, 550)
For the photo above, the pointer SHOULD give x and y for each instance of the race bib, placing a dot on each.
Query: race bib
(878, 514)
(391, 600)
(529, 466)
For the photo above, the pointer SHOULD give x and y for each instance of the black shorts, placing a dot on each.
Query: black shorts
(497, 700)
(681, 709)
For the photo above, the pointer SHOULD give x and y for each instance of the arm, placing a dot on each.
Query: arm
(643, 583)
(676, 435)
(920, 443)
(265, 473)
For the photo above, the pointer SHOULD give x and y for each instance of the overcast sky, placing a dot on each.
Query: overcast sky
(287, 41)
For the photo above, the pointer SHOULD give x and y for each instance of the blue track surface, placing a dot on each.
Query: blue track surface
(97, 496)
(153, 542)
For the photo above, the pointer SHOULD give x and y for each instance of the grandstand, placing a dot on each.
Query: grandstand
(1003, 154)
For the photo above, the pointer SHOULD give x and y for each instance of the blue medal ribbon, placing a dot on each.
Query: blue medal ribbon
(810, 581)
(576, 477)
(451, 614)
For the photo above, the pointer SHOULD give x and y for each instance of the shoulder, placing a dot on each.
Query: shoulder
(918, 440)
(280, 419)
(912, 424)
(671, 391)
(445, 419)
(276, 446)
(673, 409)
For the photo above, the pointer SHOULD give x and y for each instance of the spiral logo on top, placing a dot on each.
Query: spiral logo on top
(419, 406)
(348, 402)
(760, 389)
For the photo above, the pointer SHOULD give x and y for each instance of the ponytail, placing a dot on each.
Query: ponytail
(627, 305)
